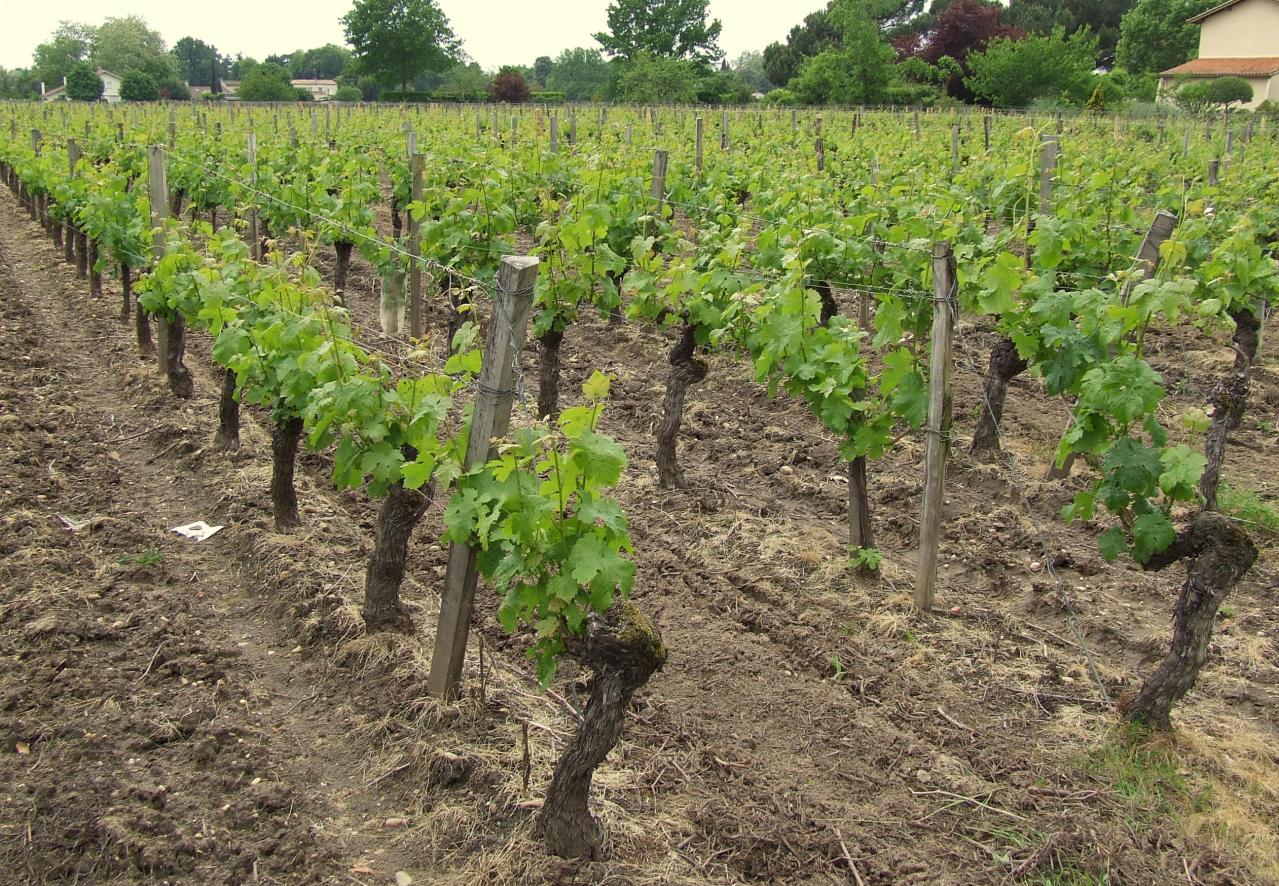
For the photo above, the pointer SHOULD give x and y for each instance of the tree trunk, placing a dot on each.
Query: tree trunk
(1005, 365)
(343, 251)
(175, 340)
(400, 513)
(284, 453)
(548, 385)
(624, 649)
(82, 254)
(95, 276)
(1218, 555)
(860, 533)
(829, 307)
(1229, 400)
(228, 436)
(685, 371)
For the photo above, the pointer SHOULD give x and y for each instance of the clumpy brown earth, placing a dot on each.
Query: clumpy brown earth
(211, 712)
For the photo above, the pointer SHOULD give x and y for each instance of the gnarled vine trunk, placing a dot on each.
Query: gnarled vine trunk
(1005, 365)
(401, 510)
(68, 241)
(175, 202)
(284, 453)
(1229, 400)
(175, 341)
(55, 230)
(548, 379)
(623, 649)
(686, 370)
(95, 276)
(860, 533)
(340, 271)
(228, 436)
(829, 307)
(141, 322)
(1217, 553)
(397, 220)
(459, 304)
(82, 254)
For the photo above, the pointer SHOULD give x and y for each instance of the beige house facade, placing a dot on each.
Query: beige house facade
(1239, 38)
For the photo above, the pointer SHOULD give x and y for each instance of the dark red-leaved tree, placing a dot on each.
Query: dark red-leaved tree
(509, 86)
(964, 27)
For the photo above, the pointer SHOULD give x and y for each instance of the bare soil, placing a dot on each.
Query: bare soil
(210, 712)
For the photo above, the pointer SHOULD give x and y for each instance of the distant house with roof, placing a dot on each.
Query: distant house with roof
(319, 89)
(1238, 38)
(110, 88)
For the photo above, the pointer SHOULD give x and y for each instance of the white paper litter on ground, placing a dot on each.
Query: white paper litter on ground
(197, 531)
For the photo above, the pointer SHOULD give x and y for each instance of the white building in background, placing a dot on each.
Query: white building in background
(319, 89)
(110, 88)
(1239, 38)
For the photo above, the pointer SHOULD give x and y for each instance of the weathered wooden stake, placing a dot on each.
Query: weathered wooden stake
(490, 419)
(255, 241)
(945, 306)
(415, 247)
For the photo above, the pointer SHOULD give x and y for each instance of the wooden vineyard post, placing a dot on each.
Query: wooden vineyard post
(1047, 167)
(69, 235)
(954, 150)
(723, 131)
(658, 190)
(172, 332)
(173, 127)
(572, 130)
(945, 306)
(415, 247)
(820, 147)
(555, 134)
(255, 241)
(490, 419)
(700, 126)
(1214, 168)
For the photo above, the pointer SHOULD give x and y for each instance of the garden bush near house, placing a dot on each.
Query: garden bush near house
(547, 97)
(267, 83)
(83, 85)
(1201, 95)
(781, 96)
(139, 87)
(173, 89)
(348, 94)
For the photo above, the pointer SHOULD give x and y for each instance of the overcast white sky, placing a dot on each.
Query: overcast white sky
(493, 32)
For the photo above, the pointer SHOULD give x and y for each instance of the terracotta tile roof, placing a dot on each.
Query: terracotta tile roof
(1210, 12)
(1226, 67)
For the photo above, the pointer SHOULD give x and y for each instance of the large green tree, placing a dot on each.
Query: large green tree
(859, 71)
(662, 29)
(326, 62)
(817, 34)
(54, 59)
(395, 40)
(1013, 73)
(1102, 17)
(581, 74)
(267, 83)
(126, 44)
(1154, 36)
(83, 85)
(650, 79)
(198, 63)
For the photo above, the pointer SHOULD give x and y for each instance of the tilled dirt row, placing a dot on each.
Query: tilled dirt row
(809, 727)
